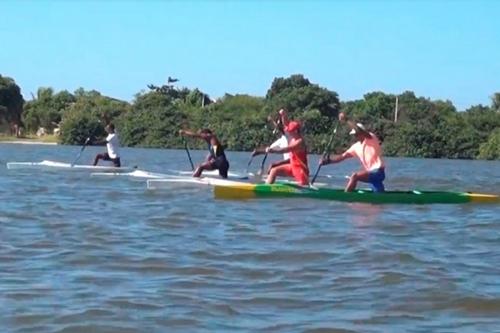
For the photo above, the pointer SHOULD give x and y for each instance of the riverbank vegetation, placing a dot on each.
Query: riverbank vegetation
(30, 138)
(420, 127)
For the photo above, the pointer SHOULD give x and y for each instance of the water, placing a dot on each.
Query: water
(82, 254)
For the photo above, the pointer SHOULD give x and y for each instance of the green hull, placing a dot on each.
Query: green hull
(248, 191)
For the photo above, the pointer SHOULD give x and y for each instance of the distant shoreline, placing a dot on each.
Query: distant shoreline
(28, 142)
(30, 139)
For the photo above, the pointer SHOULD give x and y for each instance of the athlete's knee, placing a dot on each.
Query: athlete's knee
(202, 167)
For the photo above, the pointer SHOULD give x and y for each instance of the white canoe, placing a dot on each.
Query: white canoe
(156, 175)
(61, 165)
(154, 184)
(132, 174)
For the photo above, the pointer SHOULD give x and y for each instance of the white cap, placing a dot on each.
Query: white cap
(360, 126)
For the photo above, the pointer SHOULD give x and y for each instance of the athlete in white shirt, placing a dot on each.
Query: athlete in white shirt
(282, 142)
(112, 145)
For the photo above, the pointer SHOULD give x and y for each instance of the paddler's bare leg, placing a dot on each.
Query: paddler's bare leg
(282, 170)
(97, 158)
(271, 177)
(355, 177)
(201, 167)
(277, 164)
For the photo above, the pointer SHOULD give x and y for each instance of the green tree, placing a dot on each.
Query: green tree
(491, 149)
(11, 104)
(90, 112)
(316, 107)
(101, 107)
(156, 127)
(230, 117)
(483, 120)
(375, 110)
(280, 85)
(298, 95)
(77, 126)
(424, 128)
(47, 109)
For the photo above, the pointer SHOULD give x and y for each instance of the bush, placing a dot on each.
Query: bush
(490, 150)
(77, 126)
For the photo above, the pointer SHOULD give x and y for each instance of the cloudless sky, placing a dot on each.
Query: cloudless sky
(439, 49)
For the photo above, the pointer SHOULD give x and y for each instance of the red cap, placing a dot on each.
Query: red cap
(292, 126)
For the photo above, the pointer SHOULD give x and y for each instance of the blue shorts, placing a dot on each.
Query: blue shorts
(376, 179)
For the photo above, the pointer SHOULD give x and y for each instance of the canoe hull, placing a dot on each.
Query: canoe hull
(249, 191)
(136, 174)
(174, 181)
(63, 166)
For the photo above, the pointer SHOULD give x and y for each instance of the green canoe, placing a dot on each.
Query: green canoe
(238, 190)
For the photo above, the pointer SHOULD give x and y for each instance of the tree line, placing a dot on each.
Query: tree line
(421, 127)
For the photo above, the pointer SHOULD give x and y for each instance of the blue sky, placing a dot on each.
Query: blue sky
(439, 49)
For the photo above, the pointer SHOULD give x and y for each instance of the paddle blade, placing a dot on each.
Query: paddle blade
(188, 154)
(79, 155)
(256, 178)
(316, 174)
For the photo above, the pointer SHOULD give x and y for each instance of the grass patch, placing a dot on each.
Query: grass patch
(30, 138)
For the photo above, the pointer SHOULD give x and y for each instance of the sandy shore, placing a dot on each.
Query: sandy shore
(29, 142)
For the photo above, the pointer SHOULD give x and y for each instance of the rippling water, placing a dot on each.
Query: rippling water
(82, 254)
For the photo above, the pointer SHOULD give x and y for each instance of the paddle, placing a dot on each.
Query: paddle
(261, 170)
(325, 152)
(87, 141)
(188, 154)
(81, 151)
(248, 164)
(258, 175)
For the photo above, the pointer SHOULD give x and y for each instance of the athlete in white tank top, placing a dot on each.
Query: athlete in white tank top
(112, 145)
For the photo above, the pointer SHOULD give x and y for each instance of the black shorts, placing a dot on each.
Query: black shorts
(221, 164)
(116, 161)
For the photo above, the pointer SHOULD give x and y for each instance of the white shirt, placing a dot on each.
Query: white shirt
(282, 142)
(112, 145)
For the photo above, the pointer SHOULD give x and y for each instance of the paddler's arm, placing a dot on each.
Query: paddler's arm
(195, 134)
(294, 146)
(331, 159)
(273, 121)
(352, 125)
(284, 117)
(259, 151)
(96, 142)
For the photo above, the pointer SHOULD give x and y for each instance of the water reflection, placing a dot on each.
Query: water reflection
(363, 214)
